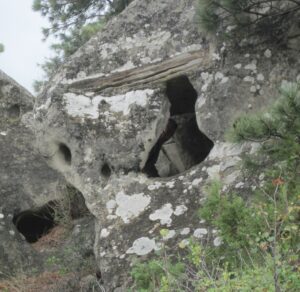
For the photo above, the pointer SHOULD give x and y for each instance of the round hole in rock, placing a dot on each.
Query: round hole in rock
(65, 152)
(35, 223)
(14, 111)
(106, 171)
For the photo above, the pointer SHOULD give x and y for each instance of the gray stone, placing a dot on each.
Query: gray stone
(104, 114)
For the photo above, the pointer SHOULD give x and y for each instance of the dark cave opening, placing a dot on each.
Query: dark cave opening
(14, 112)
(35, 223)
(106, 171)
(65, 153)
(182, 96)
(181, 145)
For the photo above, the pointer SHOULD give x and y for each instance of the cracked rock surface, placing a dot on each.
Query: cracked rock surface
(102, 115)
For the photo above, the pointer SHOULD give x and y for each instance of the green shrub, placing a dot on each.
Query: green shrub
(156, 274)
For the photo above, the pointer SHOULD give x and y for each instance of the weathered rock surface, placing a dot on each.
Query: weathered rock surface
(103, 119)
(27, 184)
(26, 180)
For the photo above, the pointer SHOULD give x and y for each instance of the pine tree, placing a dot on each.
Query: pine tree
(278, 128)
(73, 23)
(268, 17)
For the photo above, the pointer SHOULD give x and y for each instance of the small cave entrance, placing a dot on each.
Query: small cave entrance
(34, 223)
(14, 112)
(106, 171)
(181, 145)
(64, 153)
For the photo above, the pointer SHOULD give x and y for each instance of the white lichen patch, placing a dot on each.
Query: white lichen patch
(84, 106)
(163, 214)
(216, 57)
(260, 77)
(185, 231)
(170, 184)
(238, 66)
(142, 246)
(170, 234)
(268, 53)
(251, 67)
(239, 185)
(193, 172)
(218, 241)
(3, 133)
(197, 181)
(154, 186)
(249, 79)
(200, 232)
(220, 77)
(104, 233)
(179, 210)
(129, 207)
(1, 216)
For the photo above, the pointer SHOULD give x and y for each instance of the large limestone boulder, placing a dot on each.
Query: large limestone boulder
(136, 118)
(26, 180)
(32, 199)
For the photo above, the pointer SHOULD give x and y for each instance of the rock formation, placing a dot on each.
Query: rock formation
(31, 194)
(106, 108)
(103, 113)
(26, 180)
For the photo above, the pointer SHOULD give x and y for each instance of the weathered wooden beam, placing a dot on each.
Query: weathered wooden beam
(153, 73)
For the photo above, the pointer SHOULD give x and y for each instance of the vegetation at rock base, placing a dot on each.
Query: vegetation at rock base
(1, 48)
(259, 233)
(73, 23)
(271, 18)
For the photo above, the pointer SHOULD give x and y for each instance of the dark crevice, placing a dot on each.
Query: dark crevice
(150, 168)
(181, 145)
(65, 153)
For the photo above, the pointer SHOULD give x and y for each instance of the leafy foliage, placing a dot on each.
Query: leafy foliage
(230, 215)
(1, 48)
(155, 273)
(272, 18)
